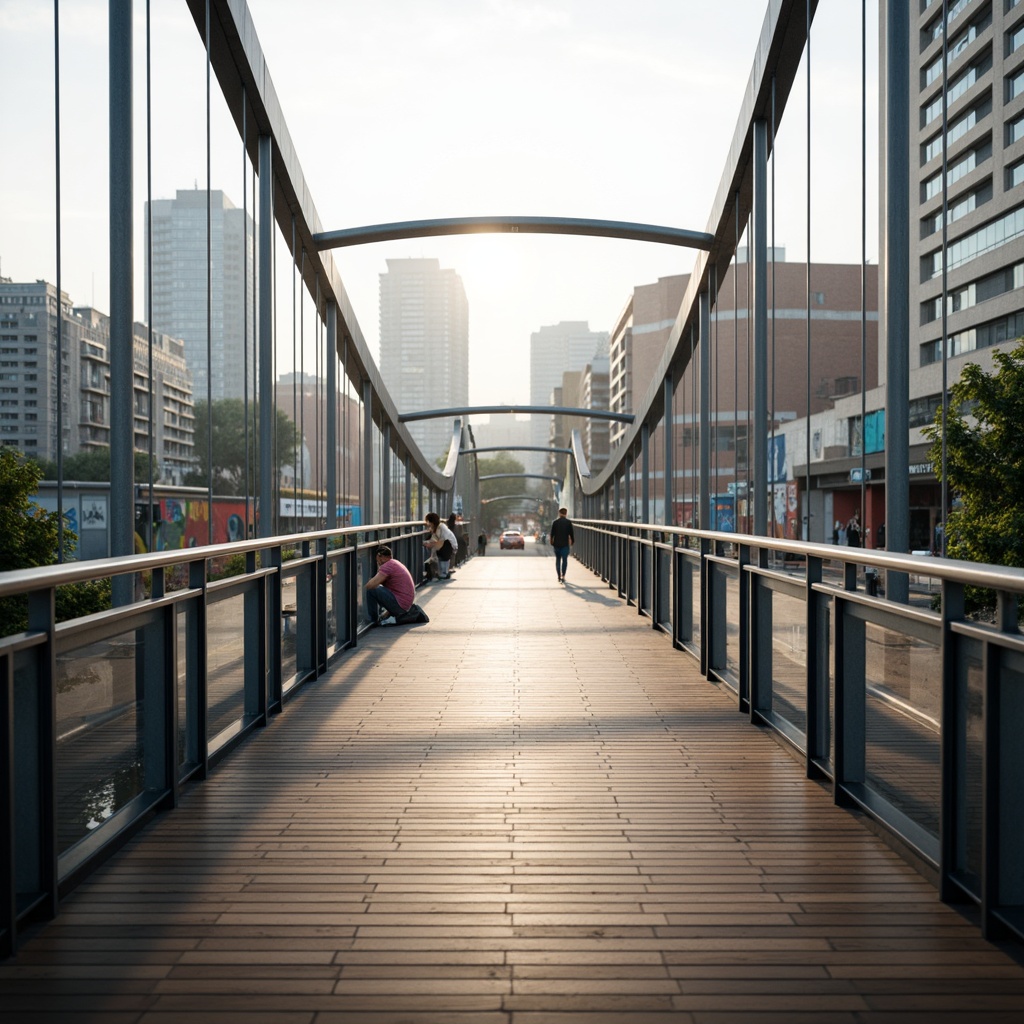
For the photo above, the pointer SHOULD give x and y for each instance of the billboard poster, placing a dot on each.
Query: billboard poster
(777, 459)
(786, 510)
(725, 513)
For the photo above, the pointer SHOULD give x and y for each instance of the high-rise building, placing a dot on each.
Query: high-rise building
(218, 333)
(29, 404)
(984, 182)
(424, 345)
(554, 350)
(980, 202)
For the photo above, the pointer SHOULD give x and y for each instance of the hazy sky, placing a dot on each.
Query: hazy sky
(408, 109)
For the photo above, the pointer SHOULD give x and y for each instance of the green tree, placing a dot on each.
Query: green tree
(228, 442)
(93, 466)
(502, 462)
(28, 534)
(28, 539)
(984, 462)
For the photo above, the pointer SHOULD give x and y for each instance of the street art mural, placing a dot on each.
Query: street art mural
(185, 523)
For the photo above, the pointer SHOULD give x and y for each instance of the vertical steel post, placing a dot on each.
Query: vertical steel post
(704, 497)
(896, 309)
(122, 311)
(385, 475)
(366, 498)
(759, 254)
(669, 489)
(645, 473)
(265, 363)
(331, 446)
(8, 849)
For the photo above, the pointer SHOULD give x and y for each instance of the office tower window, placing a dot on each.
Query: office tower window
(957, 87)
(960, 127)
(1015, 174)
(988, 237)
(968, 162)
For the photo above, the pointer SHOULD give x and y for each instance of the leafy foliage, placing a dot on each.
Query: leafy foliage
(985, 461)
(93, 466)
(229, 443)
(502, 462)
(28, 534)
(28, 539)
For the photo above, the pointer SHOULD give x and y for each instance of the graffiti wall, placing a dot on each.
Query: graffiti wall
(185, 523)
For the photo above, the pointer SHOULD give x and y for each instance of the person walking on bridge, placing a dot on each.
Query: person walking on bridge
(562, 539)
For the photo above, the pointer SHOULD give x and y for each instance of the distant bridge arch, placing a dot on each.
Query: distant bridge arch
(513, 225)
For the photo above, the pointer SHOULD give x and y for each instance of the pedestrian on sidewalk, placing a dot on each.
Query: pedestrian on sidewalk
(562, 539)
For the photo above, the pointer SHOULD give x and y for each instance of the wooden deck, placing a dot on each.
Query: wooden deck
(530, 811)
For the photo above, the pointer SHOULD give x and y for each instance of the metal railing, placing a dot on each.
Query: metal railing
(104, 717)
(911, 712)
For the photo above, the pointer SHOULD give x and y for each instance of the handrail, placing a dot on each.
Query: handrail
(20, 581)
(975, 574)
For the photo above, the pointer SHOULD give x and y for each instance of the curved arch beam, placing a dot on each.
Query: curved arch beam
(516, 448)
(513, 225)
(511, 497)
(553, 410)
(520, 476)
(579, 455)
(452, 462)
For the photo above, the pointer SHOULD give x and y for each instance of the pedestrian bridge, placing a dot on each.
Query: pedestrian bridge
(717, 777)
(547, 801)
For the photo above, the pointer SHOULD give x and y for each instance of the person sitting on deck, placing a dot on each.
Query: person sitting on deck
(391, 592)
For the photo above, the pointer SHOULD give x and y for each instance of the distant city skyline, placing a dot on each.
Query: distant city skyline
(576, 109)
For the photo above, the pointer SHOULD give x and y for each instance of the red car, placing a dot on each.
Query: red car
(511, 540)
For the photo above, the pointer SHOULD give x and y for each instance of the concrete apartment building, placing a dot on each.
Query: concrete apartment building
(222, 336)
(424, 345)
(643, 329)
(28, 382)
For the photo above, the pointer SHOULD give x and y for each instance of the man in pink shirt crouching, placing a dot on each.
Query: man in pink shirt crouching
(392, 589)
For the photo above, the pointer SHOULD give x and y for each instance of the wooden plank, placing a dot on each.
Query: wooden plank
(531, 809)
